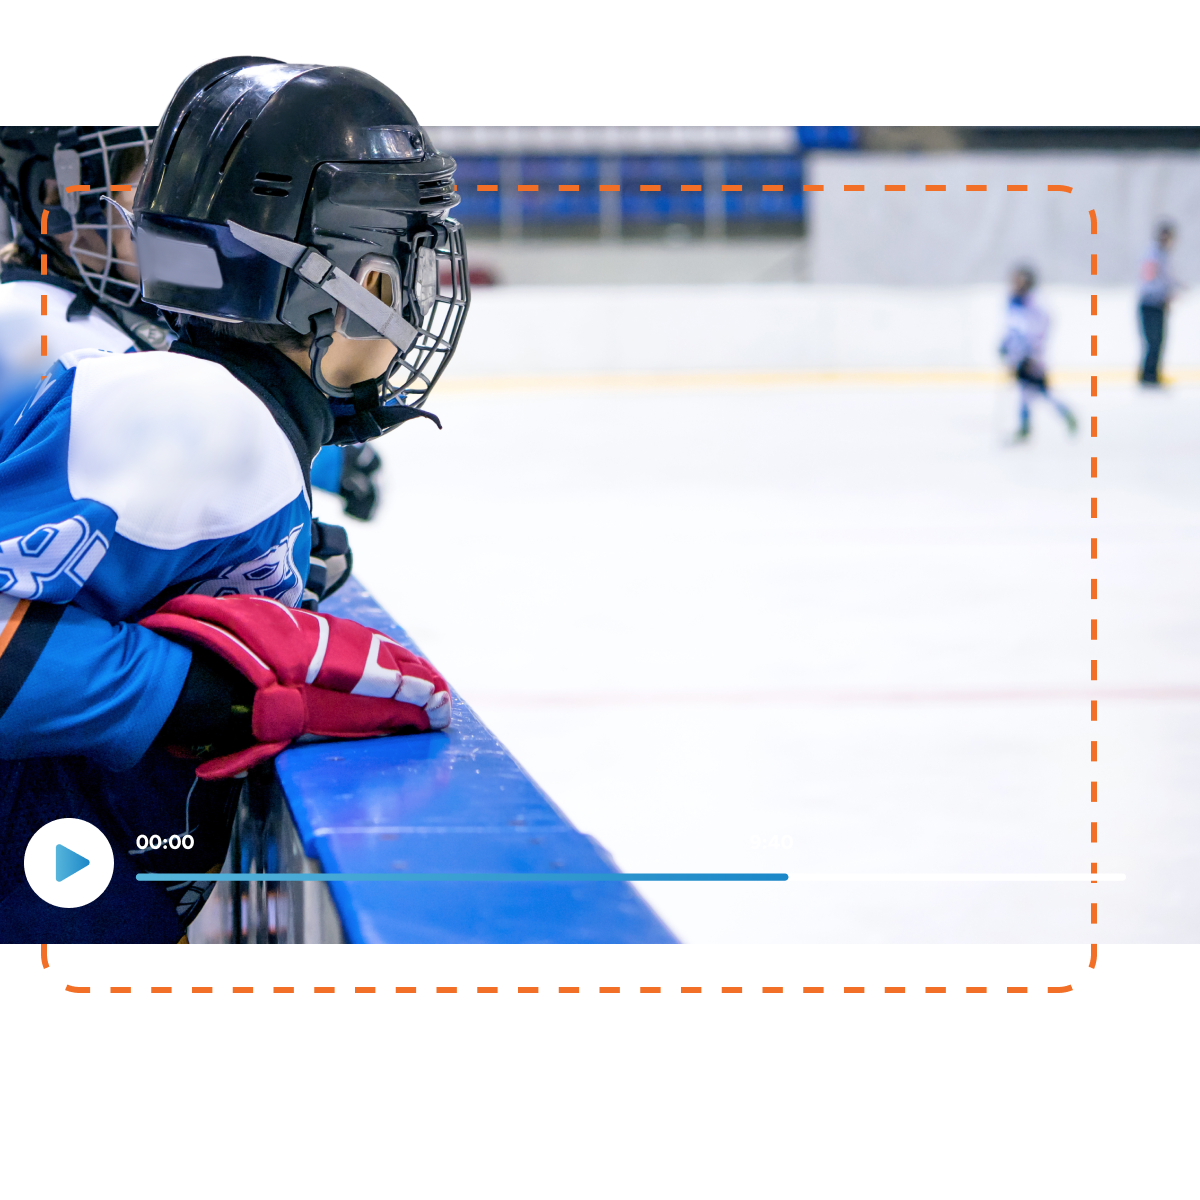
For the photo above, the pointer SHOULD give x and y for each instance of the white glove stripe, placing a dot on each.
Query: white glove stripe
(376, 679)
(414, 690)
(235, 640)
(314, 667)
(291, 613)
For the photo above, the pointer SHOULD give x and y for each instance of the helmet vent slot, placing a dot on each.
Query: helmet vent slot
(175, 139)
(237, 141)
(270, 183)
(434, 191)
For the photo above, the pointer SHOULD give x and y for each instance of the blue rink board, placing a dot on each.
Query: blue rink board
(450, 801)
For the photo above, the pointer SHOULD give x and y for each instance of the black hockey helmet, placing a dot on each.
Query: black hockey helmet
(89, 163)
(274, 189)
(26, 166)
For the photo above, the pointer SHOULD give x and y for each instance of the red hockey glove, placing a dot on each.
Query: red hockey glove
(313, 674)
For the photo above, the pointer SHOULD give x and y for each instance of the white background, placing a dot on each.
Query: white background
(1091, 1098)
(629, 62)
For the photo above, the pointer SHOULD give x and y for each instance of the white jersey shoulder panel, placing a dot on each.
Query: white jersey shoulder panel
(22, 326)
(177, 447)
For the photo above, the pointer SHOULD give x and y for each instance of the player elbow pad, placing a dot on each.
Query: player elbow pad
(213, 712)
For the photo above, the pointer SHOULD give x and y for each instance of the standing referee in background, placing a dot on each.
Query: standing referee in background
(1157, 289)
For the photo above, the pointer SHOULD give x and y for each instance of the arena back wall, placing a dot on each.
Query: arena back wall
(960, 237)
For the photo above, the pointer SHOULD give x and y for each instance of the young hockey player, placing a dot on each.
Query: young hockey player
(1024, 347)
(156, 505)
(67, 181)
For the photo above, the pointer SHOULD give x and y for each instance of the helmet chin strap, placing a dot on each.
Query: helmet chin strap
(370, 416)
(322, 339)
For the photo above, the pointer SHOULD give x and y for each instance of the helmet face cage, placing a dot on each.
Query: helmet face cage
(391, 218)
(93, 168)
(439, 287)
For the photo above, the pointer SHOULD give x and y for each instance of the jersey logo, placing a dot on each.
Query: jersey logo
(51, 562)
(273, 575)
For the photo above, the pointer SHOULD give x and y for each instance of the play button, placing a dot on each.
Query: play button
(68, 862)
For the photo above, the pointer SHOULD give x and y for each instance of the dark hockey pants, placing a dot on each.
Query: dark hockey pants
(1154, 327)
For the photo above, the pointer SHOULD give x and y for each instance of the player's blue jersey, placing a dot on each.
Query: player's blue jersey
(124, 479)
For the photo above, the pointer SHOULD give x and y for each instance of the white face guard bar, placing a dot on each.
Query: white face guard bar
(316, 269)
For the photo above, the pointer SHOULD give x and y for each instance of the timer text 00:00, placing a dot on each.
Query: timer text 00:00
(176, 841)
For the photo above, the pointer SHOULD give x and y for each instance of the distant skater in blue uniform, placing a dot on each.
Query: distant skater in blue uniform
(1024, 351)
(156, 520)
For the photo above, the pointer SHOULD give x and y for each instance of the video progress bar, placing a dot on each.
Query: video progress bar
(455, 877)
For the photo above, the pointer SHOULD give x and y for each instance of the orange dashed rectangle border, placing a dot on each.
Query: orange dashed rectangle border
(731, 187)
(848, 990)
(575, 990)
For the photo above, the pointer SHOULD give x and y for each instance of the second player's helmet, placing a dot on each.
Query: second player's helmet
(88, 164)
(275, 189)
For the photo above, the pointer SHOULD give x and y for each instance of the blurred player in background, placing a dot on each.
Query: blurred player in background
(70, 247)
(1157, 289)
(1024, 348)
(349, 472)
(59, 185)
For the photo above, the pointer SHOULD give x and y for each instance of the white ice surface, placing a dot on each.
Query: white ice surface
(761, 327)
(825, 628)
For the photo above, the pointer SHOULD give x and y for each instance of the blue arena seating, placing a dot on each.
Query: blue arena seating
(548, 209)
(550, 212)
